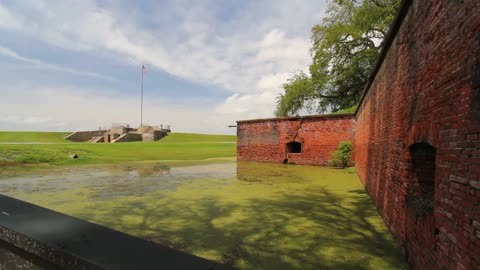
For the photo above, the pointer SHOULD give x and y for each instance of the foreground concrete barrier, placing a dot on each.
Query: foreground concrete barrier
(33, 237)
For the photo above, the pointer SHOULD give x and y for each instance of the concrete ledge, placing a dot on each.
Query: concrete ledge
(40, 238)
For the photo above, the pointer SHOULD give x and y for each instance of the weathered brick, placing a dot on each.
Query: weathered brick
(266, 139)
(476, 224)
(468, 228)
(475, 184)
(459, 179)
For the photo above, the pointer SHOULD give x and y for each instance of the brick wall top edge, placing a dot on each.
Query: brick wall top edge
(392, 33)
(292, 118)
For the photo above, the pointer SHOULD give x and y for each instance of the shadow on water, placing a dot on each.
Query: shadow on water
(268, 217)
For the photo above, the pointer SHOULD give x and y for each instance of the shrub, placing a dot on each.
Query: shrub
(341, 157)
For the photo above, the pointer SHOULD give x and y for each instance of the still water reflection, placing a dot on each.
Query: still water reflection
(250, 215)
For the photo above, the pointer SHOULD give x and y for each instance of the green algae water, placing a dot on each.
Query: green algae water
(249, 215)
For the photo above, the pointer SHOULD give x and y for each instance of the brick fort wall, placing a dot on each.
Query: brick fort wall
(265, 140)
(417, 135)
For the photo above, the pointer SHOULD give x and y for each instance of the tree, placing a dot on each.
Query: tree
(345, 48)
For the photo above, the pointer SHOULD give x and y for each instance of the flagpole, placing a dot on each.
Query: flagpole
(141, 106)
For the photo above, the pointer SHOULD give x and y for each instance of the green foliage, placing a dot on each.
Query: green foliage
(347, 110)
(299, 89)
(351, 170)
(345, 47)
(341, 157)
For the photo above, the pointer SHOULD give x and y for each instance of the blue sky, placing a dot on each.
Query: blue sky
(76, 65)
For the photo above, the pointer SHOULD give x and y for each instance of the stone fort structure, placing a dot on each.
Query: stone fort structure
(416, 134)
(121, 133)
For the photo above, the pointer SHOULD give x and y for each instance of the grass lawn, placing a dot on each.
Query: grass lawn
(14, 136)
(192, 137)
(177, 146)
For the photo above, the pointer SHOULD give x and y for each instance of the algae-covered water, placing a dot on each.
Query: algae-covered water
(250, 215)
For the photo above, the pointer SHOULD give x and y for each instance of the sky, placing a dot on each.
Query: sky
(73, 65)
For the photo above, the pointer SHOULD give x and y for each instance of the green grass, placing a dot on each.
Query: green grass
(347, 110)
(192, 137)
(14, 136)
(177, 146)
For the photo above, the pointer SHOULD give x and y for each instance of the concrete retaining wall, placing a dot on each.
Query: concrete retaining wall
(84, 136)
(33, 237)
(154, 135)
(129, 137)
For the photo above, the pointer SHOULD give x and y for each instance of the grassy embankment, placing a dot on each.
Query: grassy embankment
(43, 137)
(177, 146)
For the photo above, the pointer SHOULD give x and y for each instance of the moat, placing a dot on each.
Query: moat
(249, 215)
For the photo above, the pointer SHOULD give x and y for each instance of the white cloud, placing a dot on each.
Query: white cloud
(249, 54)
(7, 20)
(272, 81)
(35, 62)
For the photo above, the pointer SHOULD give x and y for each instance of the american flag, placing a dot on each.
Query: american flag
(144, 69)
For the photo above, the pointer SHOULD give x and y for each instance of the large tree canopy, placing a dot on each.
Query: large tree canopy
(345, 48)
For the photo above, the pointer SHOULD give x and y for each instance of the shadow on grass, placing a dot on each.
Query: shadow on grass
(314, 230)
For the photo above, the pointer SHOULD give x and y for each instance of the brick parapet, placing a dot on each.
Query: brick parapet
(265, 140)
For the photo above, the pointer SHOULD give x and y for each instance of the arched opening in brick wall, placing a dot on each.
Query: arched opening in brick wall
(294, 147)
(422, 158)
(420, 223)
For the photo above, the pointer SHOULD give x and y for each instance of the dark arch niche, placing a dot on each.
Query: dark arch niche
(421, 191)
(420, 221)
(422, 158)
(294, 147)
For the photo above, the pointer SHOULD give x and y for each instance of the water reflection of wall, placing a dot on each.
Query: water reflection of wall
(266, 172)
(133, 179)
(250, 172)
(147, 169)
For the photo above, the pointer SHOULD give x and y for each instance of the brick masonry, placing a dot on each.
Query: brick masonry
(426, 91)
(419, 119)
(265, 140)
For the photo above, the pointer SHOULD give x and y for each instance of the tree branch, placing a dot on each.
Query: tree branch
(377, 3)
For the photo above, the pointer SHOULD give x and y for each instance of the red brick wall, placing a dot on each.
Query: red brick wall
(265, 140)
(427, 91)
